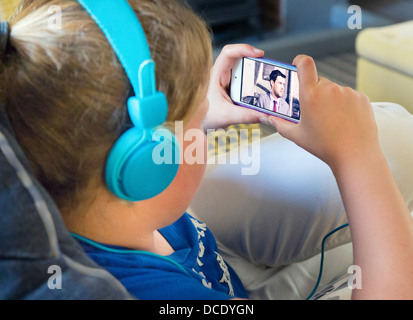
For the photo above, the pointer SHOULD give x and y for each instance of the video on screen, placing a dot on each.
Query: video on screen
(270, 87)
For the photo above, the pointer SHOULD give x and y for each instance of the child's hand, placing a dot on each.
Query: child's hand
(337, 123)
(222, 112)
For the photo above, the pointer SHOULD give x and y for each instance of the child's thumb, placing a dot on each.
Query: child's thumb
(284, 127)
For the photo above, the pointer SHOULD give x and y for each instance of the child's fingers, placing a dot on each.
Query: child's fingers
(307, 72)
(308, 79)
(226, 60)
(285, 128)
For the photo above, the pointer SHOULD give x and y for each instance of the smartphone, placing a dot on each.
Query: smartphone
(266, 85)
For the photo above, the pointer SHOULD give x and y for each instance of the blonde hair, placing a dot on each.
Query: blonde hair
(65, 91)
(6, 8)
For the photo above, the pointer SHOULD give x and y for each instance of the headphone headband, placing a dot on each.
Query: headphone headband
(131, 172)
(134, 55)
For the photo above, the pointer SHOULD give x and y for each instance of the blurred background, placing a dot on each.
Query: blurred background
(285, 28)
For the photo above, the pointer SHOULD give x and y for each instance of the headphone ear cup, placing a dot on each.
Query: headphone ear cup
(142, 164)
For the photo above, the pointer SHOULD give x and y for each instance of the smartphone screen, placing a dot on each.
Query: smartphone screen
(270, 86)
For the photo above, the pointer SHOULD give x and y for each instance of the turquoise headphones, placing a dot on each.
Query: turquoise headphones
(135, 169)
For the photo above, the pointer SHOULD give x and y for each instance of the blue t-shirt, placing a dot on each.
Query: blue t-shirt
(195, 271)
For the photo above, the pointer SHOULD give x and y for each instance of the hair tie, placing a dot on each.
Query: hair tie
(4, 37)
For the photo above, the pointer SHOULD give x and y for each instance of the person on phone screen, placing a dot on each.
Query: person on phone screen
(273, 100)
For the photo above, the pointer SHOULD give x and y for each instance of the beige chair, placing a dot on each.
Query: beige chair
(385, 63)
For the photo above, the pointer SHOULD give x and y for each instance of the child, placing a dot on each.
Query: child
(65, 93)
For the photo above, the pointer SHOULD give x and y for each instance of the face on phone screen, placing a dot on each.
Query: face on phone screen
(270, 87)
